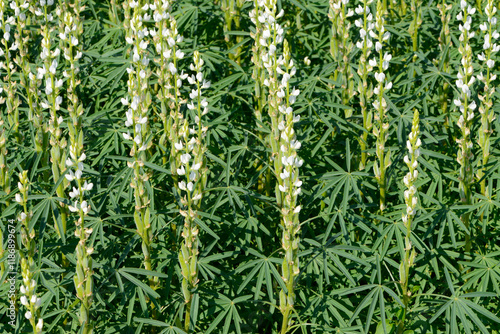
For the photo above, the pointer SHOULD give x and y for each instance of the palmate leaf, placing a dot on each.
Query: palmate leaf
(326, 258)
(229, 312)
(374, 298)
(461, 313)
(262, 269)
(484, 270)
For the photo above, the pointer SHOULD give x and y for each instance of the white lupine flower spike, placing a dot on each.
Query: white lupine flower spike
(136, 106)
(284, 145)
(341, 47)
(465, 79)
(191, 173)
(366, 64)
(411, 199)
(383, 85)
(29, 298)
(490, 48)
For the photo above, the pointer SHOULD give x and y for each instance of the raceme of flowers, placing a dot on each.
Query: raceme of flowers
(29, 298)
(380, 104)
(365, 44)
(485, 109)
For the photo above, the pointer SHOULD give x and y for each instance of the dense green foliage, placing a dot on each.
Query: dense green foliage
(350, 251)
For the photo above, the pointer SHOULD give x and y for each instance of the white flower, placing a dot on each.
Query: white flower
(190, 186)
(22, 216)
(85, 207)
(19, 199)
(39, 324)
(285, 174)
(24, 300)
(380, 77)
(490, 63)
(181, 171)
(28, 315)
(185, 158)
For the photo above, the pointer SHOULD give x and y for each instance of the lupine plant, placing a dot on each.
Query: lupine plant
(341, 47)
(51, 100)
(444, 46)
(193, 172)
(380, 104)
(365, 27)
(467, 105)
(29, 298)
(485, 109)
(411, 200)
(137, 104)
(247, 167)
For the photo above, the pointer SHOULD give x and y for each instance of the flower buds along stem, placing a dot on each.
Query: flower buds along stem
(258, 51)
(52, 100)
(284, 147)
(257, 16)
(365, 44)
(166, 39)
(137, 115)
(380, 104)
(83, 278)
(232, 13)
(289, 184)
(444, 45)
(70, 30)
(28, 265)
(192, 170)
(29, 81)
(411, 159)
(416, 8)
(341, 47)
(467, 105)
(8, 85)
(486, 106)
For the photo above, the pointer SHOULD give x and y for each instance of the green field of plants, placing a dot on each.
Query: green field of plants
(258, 166)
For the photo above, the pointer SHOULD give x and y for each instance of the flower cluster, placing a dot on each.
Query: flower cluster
(29, 298)
(258, 50)
(166, 40)
(467, 105)
(485, 109)
(272, 36)
(8, 85)
(289, 183)
(413, 144)
(365, 44)
(444, 45)
(83, 279)
(411, 159)
(29, 81)
(137, 116)
(51, 99)
(465, 79)
(190, 156)
(284, 146)
(380, 104)
(341, 47)
(70, 30)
